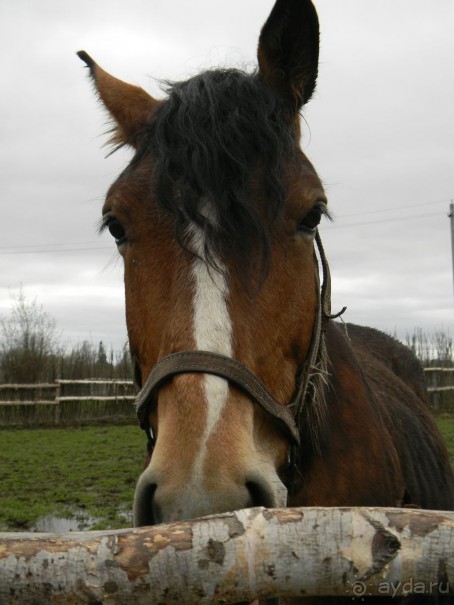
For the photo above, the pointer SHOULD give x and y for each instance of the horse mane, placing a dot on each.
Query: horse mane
(219, 144)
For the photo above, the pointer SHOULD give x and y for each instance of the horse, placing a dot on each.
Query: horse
(251, 393)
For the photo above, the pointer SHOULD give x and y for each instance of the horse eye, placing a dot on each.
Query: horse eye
(116, 229)
(312, 219)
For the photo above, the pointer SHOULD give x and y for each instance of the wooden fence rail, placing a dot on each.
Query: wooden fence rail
(73, 401)
(66, 402)
(440, 386)
(66, 389)
(236, 557)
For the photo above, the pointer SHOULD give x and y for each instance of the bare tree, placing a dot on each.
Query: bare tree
(433, 348)
(443, 347)
(29, 342)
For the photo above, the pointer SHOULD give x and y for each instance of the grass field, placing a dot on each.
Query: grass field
(86, 473)
(446, 425)
(89, 471)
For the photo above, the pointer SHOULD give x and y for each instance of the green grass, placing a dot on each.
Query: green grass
(88, 471)
(69, 472)
(446, 425)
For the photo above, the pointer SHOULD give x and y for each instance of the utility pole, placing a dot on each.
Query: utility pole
(451, 216)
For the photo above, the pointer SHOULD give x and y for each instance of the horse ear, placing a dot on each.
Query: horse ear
(129, 106)
(288, 50)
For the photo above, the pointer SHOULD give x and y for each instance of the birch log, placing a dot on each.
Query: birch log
(235, 557)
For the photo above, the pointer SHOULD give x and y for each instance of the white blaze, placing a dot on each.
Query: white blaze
(212, 332)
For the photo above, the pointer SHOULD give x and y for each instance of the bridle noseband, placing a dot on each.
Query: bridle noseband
(287, 417)
(232, 370)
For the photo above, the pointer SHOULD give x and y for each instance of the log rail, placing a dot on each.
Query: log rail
(236, 557)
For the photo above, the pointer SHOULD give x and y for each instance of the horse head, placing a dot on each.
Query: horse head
(215, 218)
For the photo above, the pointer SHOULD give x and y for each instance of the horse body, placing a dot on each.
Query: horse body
(396, 382)
(216, 218)
(381, 446)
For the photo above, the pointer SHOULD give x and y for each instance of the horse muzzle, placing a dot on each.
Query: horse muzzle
(157, 500)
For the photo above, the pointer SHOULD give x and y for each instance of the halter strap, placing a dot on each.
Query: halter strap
(326, 285)
(186, 362)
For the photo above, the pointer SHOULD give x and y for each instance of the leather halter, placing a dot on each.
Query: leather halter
(287, 417)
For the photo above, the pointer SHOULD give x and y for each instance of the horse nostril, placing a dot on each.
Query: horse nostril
(156, 512)
(259, 495)
(145, 511)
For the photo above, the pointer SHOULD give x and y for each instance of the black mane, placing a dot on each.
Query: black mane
(221, 140)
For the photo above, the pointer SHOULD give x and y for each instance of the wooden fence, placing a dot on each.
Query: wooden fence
(78, 401)
(237, 557)
(66, 402)
(440, 385)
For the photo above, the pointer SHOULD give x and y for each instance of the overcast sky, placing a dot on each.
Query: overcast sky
(380, 131)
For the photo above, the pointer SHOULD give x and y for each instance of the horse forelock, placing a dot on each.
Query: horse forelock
(219, 146)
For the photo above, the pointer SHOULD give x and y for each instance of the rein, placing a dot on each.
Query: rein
(287, 417)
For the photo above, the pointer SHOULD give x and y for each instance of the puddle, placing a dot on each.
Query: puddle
(56, 524)
(78, 521)
(126, 515)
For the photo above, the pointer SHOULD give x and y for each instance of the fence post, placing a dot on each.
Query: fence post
(57, 403)
(436, 401)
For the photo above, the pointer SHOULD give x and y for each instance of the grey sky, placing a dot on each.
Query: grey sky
(380, 131)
